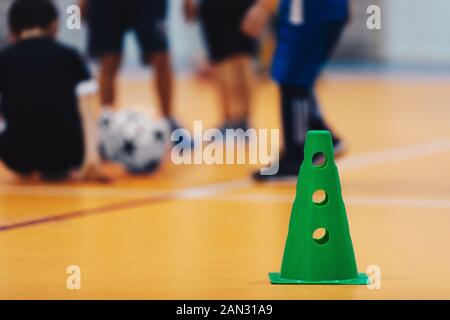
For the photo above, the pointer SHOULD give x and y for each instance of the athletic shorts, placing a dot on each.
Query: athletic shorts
(221, 23)
(302, 51)
(109, 20)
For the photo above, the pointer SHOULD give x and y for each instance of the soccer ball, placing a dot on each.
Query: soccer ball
(134, 139)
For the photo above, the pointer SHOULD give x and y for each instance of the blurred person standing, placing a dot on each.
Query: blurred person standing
(230, 52)
(108, 21)
(308, 33)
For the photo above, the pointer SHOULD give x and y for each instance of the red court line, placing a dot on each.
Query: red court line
(194, 192)
(85, 212)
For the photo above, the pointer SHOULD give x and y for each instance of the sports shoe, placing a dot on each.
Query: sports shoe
(288, 169)
(339, 146)
(234, 125)
(184, 139)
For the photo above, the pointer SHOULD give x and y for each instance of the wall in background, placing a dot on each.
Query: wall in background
(359, 43)
(415, 32)
(4, 5)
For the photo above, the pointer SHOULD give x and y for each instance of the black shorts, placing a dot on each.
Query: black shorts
(110, 19)
(24, 156)
(221, 23)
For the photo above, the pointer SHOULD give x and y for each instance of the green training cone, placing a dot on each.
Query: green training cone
(318, 248)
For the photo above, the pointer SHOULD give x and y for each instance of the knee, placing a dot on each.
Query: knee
(110, 64)
(160, 60)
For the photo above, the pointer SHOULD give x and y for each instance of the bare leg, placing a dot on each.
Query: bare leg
(224, 79)
(244, 84)
(235, 81)
(109, 66)
(164, 81)
(164, 86)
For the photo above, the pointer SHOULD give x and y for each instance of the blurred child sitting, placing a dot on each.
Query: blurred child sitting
(46, 99)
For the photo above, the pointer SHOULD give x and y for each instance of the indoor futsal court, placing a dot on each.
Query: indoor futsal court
(207, 232)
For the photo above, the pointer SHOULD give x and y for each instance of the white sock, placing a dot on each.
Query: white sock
(2, 125)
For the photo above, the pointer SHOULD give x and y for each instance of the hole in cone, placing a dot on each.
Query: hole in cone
(321, 236)
(319, 160)
(320, 197)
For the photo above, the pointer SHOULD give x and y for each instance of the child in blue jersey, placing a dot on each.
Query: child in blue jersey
(308, 31)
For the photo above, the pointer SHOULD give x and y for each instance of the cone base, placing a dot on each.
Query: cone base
(363, 279)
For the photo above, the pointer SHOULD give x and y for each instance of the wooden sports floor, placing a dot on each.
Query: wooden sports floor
(206, 232)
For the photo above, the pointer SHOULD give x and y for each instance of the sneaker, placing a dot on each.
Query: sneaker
(339, 146)
(287, 171)
(234, 125)
(186, 139)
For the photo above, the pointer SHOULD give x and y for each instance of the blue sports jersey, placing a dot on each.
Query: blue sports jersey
(308, 32)
(297, 11)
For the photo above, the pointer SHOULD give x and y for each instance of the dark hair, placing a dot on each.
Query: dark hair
(29, 14)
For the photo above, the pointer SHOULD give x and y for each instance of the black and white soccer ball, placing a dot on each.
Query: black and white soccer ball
(134, 139)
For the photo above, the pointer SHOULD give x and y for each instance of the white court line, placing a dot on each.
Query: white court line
(80, 191)
(211, 189)
(402, 77)
(206, 192)
(347, 164)
(187, 193)
(394, 155)
(399, 202)
(349, 200)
